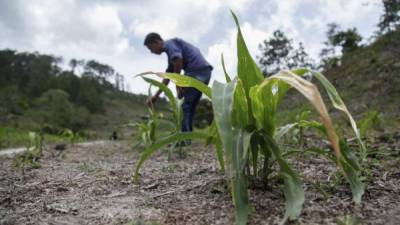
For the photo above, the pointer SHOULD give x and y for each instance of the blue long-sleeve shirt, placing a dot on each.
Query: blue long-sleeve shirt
(191, 56)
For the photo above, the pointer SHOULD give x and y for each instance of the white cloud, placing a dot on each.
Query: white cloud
(228, 48)
(252, 36)
(112, 32)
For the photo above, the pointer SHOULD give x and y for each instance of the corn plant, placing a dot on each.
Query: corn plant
(175, 104)
(371, 119)
(70, 136)
(146, 131)
(246, 133)
(211, 137)
(30, 157)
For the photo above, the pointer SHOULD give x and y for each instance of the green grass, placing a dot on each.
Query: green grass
(12, 137)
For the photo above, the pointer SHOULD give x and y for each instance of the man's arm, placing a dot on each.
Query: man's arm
(164, 81)
(177, 65)
(176, 68)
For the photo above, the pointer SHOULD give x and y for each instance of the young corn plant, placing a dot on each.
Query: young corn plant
(175, 104)
(70, 136)
(246, 133)
(146, 131)
(34, 149)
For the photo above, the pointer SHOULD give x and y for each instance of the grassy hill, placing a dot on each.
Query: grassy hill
(36, 93)
(368, 79)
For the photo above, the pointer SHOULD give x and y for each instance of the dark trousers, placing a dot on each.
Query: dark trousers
(192, 97)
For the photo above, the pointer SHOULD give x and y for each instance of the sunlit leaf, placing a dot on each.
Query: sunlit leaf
(183, 81)
(339, 104)
(294, 194)
(227, 78)
(236, 142)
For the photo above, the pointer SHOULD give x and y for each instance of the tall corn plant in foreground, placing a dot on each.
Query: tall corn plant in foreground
(246, 134)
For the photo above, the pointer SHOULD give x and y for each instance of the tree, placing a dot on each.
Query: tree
(119, 82)
(344, 40)
(53, 108)
(328, 55)
(91, 94)
(35, 85)
(275, 53)
(300, 58)
(69, 83)
(98, 69)
(390, 20)
(278, 53)
(74, 63)
(348, 40)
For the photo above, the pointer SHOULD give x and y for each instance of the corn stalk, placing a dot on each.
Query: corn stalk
(245, 110)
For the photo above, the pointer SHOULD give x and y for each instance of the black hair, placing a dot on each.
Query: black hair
(151, 38)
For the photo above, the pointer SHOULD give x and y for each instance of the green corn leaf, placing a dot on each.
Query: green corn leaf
(247, 69)
(310, 91)
(348, 162)
(164, 141)
(227, 78)
(222, 103)
(239, 156)
(216, 139)
(313, 124)
(172, 100)
(351, 169)
(254, 146)
(263, 107)
(186, 81)
(338, 103)
(257, 107)
(164, 88)
(220, 152)
(240, 115)
(236, 142)
(369, 119)
(284, 130)
(294, 194)
(183, 81)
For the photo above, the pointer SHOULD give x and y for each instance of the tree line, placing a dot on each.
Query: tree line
(35, 87)
(279, 52)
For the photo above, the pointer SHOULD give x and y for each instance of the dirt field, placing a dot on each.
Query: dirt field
(92, 184)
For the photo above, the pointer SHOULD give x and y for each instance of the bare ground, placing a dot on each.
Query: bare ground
(93, 184)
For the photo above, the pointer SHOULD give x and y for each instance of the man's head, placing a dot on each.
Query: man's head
(154, 43)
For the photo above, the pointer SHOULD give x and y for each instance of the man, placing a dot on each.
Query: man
(181, 56)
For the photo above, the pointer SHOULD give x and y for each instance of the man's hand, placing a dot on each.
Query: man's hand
(179, 91)
(151, 100)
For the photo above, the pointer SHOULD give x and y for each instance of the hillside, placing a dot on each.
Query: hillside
(38, 93)
(368, 79)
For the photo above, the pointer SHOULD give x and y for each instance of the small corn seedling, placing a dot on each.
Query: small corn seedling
(30, 158)
(246, 135)
(70, 136)
(146, 131)
(370, 121)
(175, 104)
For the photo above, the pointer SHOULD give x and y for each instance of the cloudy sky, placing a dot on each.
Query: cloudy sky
(112, 32)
